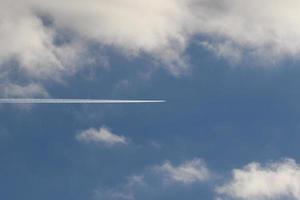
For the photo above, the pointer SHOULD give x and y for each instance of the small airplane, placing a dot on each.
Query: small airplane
(75, 101)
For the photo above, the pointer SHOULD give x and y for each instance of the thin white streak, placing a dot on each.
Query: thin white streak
(75, 101)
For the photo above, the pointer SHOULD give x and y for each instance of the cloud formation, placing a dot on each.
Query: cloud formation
(192, 171)
(265, 29)
(31, 44)
(279, 180)
(30, 31)
(48, 39)
(102, 135)
(151, 183)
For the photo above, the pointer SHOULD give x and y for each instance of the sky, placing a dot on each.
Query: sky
(228, 70)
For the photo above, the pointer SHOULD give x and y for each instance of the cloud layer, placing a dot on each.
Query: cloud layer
(279, 180)
(102, 135)
(48, 39)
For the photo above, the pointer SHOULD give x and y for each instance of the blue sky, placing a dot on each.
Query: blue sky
(228, 131)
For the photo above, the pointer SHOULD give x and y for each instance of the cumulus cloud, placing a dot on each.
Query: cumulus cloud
(48, 39)
(31, 44)
(279, 180)
(266, 29)
(153, 27)
(187, 173)
(102, 135)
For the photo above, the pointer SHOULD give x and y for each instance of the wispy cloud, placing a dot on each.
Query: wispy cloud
(152, 181)
(21, 91)
(189, 172)
(125, 191)
(278, 180)
(102, 135)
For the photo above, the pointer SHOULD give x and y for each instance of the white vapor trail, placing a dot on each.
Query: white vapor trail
(75, 101)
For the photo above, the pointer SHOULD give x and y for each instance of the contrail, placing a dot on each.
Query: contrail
(76, 101)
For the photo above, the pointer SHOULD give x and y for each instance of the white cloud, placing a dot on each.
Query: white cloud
(152, 181)
(30, 43)
(279, 180)
(102, 135)
(265, 29)
(164, 28)
(189, 172)
(133, 26)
